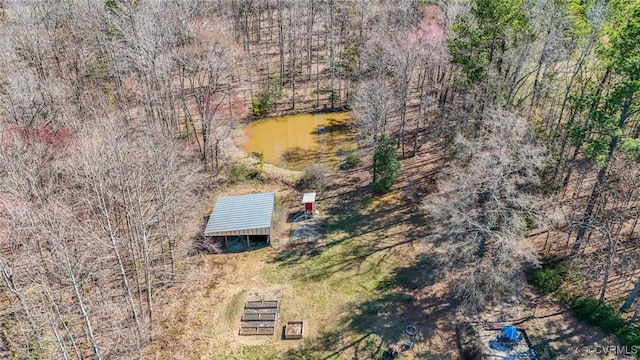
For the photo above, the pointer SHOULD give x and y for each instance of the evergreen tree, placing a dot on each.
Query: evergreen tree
(386, 167)
(612, 111)
(482, 37)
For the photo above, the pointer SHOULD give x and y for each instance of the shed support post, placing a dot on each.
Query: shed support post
(248, 241)
(225, 242)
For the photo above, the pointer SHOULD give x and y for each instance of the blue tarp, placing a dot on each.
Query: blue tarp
(510, 332)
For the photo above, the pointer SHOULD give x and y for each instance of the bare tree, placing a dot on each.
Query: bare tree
(29, 101)
(92, 188)
(208, 79)
(371, 108)
(484, 208)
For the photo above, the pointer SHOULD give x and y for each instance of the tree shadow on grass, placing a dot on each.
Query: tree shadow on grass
(565, 337)
(354, 219)
(362, 233)
(401, 300)
(319, 261)
(330, 345)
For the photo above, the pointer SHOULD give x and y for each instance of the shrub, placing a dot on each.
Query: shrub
(352, 160)
(468, 343)
(260, 165)
(203, 245)
(544, 349)
(629, 336)
(240, 171)
(264, 101)
(472, 353)
(35, 350)
(564, 296)
(584, 307)
(594, 312)
(373, 309)
(262, 104)
(546, 280)
(313, 178)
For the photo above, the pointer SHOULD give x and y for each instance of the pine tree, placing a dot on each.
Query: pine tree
(386, 167)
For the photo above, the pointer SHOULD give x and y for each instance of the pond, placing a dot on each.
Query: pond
(297, 141)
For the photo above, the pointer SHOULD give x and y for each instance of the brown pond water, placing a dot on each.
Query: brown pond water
(297, 141)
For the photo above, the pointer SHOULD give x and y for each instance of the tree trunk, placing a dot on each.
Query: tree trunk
(578, 67)
(60, 319)
(406, 79)
(281, 41)
(612, 245)
(108, 227)
(245, 26)
(8, 277)
(146, 257)
(310, 38)
(602, 176)
(565, 139)
(80, 300)
(633, 227)
(292, 57)
(126, 287)
(318, 73)
(536, 83)
(631, 298)
(331, 53)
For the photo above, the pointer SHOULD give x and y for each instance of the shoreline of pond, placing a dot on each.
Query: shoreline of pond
(314, 111)
(291, 143)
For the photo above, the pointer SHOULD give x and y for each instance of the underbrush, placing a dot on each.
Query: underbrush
(585, 307)
(240, 171)
(546, 280)
(352, 160)
(594, 312)
(313, 178)
(468, 342)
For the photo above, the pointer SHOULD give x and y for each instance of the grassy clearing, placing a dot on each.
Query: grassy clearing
(348, 288)
(336, 287)
(252, 352)
(340, 288)
(234, 308)
(357, 290)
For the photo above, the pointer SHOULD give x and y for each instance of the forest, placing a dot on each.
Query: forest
(503, 133)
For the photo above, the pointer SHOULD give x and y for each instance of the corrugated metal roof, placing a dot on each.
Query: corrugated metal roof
(241, 215)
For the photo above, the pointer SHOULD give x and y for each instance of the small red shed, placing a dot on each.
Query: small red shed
(309, 201)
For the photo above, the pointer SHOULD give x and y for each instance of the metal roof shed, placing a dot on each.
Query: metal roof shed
(242, 215)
